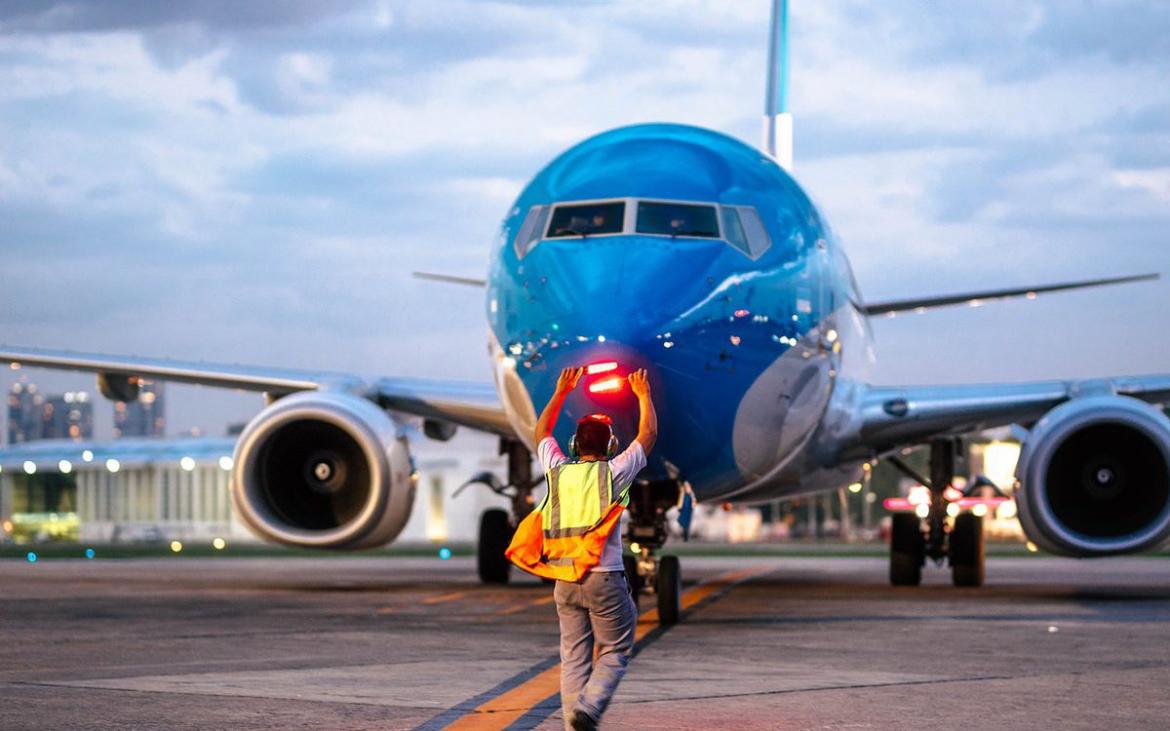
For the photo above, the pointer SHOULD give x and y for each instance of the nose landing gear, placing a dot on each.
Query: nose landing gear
(645, 536)
(962, 546)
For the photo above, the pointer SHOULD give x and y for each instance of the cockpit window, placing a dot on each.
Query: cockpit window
(530, 231)
(587, 219)
(677, 219)
(744, 230)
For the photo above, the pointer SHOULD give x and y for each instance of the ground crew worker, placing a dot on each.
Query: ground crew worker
(592, 593)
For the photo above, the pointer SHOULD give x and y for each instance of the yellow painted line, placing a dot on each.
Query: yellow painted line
(501, 711)
(444, 598)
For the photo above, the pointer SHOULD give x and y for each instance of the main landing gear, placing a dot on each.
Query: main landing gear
(496, 526)
(911, 545)
(646, 534)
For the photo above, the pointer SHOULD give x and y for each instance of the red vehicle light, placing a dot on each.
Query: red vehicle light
(607, 385)
(605, 367)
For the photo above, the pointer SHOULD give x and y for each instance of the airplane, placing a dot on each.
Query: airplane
(698, 257)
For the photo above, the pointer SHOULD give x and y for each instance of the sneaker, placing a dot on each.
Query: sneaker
(582, 721)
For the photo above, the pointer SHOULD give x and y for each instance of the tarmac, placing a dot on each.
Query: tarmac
(416, 643)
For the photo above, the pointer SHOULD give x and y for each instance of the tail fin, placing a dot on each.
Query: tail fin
(777, 121)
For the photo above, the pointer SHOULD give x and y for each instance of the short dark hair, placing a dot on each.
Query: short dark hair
(593, 437)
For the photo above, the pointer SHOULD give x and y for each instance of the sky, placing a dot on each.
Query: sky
(254, 182)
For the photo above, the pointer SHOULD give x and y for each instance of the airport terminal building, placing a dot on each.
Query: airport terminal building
(160, 490)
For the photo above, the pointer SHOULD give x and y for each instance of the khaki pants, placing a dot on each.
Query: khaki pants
(598, 609)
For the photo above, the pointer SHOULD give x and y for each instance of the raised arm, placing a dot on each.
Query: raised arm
(647, 417)
(548, 418)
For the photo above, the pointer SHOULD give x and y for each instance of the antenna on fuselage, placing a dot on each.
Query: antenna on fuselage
(777, 120)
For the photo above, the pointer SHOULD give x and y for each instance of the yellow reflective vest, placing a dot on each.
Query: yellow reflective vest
(564, 537)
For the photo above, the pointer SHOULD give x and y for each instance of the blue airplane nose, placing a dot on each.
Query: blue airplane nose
(623, 289)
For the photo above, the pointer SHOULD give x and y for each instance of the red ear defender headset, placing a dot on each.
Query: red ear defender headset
(610, 448)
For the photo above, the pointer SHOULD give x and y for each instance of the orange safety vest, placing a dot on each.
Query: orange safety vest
(564, 537)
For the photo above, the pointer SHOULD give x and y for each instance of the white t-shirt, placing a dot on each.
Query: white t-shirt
(622, 468)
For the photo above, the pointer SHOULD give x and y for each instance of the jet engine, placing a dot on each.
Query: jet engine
(1094, 478)
(324, 470)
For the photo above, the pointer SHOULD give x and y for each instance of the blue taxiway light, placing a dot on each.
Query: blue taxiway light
(31, 556)
(444, 553)
(89, 553)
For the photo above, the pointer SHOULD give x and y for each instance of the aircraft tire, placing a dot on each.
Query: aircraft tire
(967, 551)
(907, 550)
(495, 533)
(668, 587)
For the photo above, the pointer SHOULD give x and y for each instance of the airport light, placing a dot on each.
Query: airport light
(176, 546)
(953, 509)
(218, 543)
(113, 465)
(65, 466)
(225, 463)
(979, 510)
(635, 548)
(922, 510)
(1032, 547)
(8, 526)
(855, 488)
(187, 463)
(89, 553)
(30, 467)
(444, 553)
(1006, 510)
(31, 556)
(87, 456)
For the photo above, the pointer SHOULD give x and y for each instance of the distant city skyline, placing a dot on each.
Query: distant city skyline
(254, 182)
(33, 415)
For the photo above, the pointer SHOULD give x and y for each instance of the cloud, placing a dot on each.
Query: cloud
(254, 181)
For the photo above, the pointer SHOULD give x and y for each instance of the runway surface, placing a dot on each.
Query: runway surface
(789, 643)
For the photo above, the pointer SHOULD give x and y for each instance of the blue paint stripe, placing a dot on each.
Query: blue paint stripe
(454, 713)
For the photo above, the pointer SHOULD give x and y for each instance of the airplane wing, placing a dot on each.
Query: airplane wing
(470, 404)
(976, 298)
(896, 416)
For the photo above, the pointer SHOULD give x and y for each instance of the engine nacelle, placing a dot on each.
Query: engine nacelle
(1095, 478)
(324, 470)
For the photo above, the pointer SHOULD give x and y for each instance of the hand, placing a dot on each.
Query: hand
(639, 383)
(569, 378)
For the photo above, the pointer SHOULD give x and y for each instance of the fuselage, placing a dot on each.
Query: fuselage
(688, 253)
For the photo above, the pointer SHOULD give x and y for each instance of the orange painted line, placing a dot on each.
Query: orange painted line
(501, 711)
(444, 598)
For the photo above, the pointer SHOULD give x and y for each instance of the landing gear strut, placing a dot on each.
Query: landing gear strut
(645, 536)
(496, 525)
(962, 545)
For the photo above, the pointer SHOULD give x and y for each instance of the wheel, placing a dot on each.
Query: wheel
(966, 550)
(495, 533)
(632, 578)
(668, 587)
(907, 550)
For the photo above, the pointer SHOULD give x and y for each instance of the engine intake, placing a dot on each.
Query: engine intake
(1095, 478)
(325, 470)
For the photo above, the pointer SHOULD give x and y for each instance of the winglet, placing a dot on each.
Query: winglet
(974, 299)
